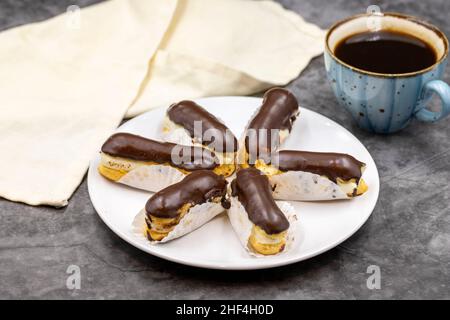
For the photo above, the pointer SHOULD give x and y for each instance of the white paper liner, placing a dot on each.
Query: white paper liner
(243, 226)
(196, 217)
(305, 186)
(152, 177)
(175, 133)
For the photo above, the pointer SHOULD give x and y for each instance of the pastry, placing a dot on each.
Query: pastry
(261, 225)
(185, 206)
(188, 123)
(303, 175)
(151, 165)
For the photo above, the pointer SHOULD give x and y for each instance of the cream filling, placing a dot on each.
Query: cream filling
(347, 187)
(262, 239)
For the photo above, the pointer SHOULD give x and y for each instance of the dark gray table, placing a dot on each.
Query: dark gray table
(407, 236)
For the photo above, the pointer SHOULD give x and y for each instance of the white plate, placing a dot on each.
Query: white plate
(323, 225)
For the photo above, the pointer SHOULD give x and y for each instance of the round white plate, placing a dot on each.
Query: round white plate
(323, 225)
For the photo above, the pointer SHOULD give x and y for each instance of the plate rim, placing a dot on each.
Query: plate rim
(269, 264)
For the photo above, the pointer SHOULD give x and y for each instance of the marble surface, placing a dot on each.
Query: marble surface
(408, 235)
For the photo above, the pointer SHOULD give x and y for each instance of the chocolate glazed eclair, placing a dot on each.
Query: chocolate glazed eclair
(188, 123)
(303, 175)
(185, 206)
(258, 221)
(151, 165)
(270, 126)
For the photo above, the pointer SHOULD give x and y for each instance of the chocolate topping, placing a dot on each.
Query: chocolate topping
(279, 110)
(196, 188)
(138, 148)
(331, 165)
(253, 191)
(186, 112)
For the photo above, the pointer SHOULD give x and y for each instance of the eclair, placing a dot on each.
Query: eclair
(270, 126)
(262, 227)
(151, 165)
(185, 206)
(303, 175)
(188, 123)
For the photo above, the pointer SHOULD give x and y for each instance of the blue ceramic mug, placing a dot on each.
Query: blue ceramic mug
(386, 103)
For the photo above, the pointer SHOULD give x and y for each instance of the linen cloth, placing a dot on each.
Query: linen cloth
(65, 87)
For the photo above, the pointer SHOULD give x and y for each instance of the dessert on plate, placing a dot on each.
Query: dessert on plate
(151, 165)
(187, 123)
(188, 173)
(269, 126)
(308, 176)
(263, 226)
(185, 206)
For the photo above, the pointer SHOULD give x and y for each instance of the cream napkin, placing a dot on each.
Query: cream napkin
(227, 47)
(64, 89)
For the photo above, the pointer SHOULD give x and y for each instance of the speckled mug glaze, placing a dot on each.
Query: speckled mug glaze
(386, 103)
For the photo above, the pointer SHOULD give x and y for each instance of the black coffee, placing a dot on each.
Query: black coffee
(386, 52)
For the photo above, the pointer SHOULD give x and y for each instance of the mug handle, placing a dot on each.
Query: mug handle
(442, 89)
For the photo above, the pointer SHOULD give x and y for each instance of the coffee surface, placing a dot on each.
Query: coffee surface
(386, 52)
